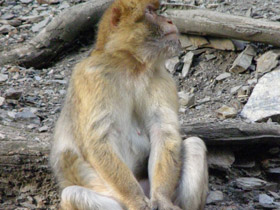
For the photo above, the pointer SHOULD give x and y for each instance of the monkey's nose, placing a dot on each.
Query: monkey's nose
(169, 21)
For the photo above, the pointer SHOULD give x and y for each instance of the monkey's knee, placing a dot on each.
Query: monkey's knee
(80, 198)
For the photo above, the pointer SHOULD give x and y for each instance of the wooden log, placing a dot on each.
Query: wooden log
(211, 23)
(219, 133)
(57, 35)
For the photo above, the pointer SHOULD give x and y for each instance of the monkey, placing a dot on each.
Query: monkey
(117, 142)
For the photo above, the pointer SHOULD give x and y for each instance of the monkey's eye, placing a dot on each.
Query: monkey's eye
(151, 8)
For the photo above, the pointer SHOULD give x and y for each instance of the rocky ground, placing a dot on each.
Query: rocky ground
(211, 88)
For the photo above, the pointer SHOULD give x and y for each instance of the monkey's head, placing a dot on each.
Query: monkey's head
(134, 26)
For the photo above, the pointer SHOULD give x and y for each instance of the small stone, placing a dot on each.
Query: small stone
(2, 100)
(39, 26)
(37, 78)
(11, 93)
(221, 44)
(235, 89)
(226, 112)
(239, 45)
(3, 77)
(43, 129)
(265, 199)
(223, 76)
(243, 60)
(185, 42)
(26, 1)
(171, 63)
(250, 183)
(27, 116)
(268, 61)
(210, 57)
(214, 197)
(264, 102)
(7, 16)
(5, 29)
(62, 92)
(222, 160)
(15, 22)
(186, 99)
(198, 41)
(187, 63)
(32, 19)
(11, 114)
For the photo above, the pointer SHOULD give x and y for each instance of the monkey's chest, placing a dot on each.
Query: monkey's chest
(133, 145)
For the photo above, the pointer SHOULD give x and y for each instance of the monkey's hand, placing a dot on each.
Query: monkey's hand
(163, 204)
(140, 204)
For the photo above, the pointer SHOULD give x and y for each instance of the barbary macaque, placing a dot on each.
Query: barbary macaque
(117, 144)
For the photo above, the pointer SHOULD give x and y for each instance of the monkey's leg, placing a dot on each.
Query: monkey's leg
(193, 187)
(81, 198)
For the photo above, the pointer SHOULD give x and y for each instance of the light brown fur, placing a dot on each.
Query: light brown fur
(120, 121)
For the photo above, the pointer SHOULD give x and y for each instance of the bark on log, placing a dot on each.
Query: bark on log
(234, 133)
(57, 35)
(211, 23)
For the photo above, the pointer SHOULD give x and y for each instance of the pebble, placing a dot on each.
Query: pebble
(221, 44)
(186, 99)
(27, 115)
(11, 93)
(226, 112)
(214, 197)
(220, 159)
(6, 29)
(43, 129)
(39, 26)
(223, 76)
(26, 1)
(3, 77)
(243, 60)
(2, 100)
(268, 61)
(188, 59)
(250, 183)
(265, 199)
(171, 63)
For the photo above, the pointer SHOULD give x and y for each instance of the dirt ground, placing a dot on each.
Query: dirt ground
(29, 184)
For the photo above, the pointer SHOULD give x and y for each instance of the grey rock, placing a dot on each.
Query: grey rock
(264, 102)
(2, 100)
(210, 57)
(11, 93)
(220, 159)
(171, 63)
(226, 112)
(268, 61)
(27, 116)
(7, 16)
(32, 19)
(250, 183)
(187, 63)
(39, 26)
(223, 76)
(185, 42)
(186, 99)
(221, 44)
(63, 82)
(265, 199)
(6, 29)
(26, 1)
(43, 129)
(214, 197)
(243, 60)
(235, 89)
(3, 77)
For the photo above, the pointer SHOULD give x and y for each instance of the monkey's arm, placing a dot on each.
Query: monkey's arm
(165, 157)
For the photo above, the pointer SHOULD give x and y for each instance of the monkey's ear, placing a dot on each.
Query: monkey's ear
(116, 15)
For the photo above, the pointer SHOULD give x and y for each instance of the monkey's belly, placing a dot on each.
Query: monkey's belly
(134, 149)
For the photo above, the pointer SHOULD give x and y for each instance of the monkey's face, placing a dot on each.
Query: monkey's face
(162, 38)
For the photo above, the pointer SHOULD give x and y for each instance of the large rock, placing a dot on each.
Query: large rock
(264, 103)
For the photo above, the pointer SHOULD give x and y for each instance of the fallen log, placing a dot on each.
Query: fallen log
(57, 35)
(219, 133)
(211, 23)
